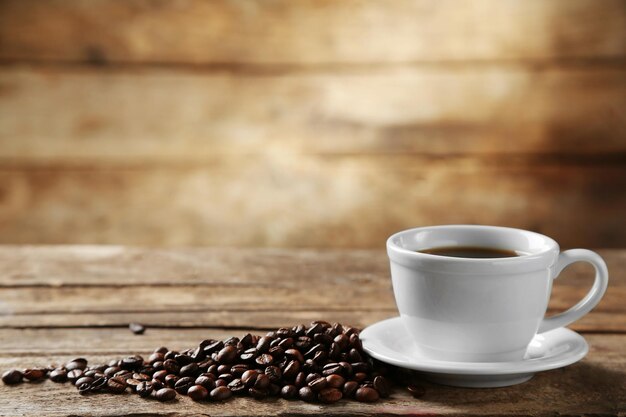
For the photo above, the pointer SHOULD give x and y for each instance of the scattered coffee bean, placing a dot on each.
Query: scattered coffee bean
(366, 395)
(416, 391)
(221, 393)
(329, 395)
(136, 328)
(165, 394)
(12, 377)
(320, 363)
(197, 393)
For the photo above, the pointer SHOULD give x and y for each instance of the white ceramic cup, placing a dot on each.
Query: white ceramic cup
(477, 309)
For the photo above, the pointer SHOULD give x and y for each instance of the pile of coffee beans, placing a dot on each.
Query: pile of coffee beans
(321, 362)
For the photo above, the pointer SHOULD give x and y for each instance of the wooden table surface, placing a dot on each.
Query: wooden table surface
(59, 302)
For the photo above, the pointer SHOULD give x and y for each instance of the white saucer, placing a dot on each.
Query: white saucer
(388, 342)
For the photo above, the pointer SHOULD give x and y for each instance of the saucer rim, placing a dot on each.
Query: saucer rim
(474, 368)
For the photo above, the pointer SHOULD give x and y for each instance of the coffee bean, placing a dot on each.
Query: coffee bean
(360, 376)
(265, 359)
(263, 345)
(349, 389)
(220, 383)
(83, 380)
(157, 384)
(112, 370)
(366, 395)
(416, 391)
(35, 374)
(329, 395)
(258, 394)
(289, 392)
(144, 389)
(171, 366)
(183, 385)
(237, 386)
(226, 377)
(220, 393)
(12, 377)
(294, 354)
(332, 368)
(78, 363)
(206, 382)
(318, 384)
(165, 394)
(156, 357)
(191, 369)
(238, 370)
(291, 370)
(306, 394)
(197, 393)
(74, 374)
(262, 382)
(58, 375)
(227, 354)
(382, 386)
(213, 347)
(183, 359)
(335, 381)
(136, 328)
(131, 363)
(160, 375)
(116, 385)
(273, 373)
(84, 389)
(300, 380)
(99, 383)
(132, 382)
(170, 380)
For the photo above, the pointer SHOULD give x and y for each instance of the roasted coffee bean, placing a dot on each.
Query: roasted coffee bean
(249, 354)
(265, 359)
(313, 350)
(361, 367)
(349, 389)
(144, 389)
(12, 377)
(329, 395)
(274, 389)
(205, 381)
(226, 377)
(262, 382)
(74, 374)
(191, 369)
(170, 354)
(220, 393)
(318, 384)
(227, 354)
(238, 370)
(354, 356)
(171, 366)
(291, 370)
(162, 350)
(223, 369)
(58, 375)
(237, 386)
(294, 354)
(246, 341)
(183, 385)
(355, 342)
(165, 394)
(116, 385)
(132, 382)
(131, 363)
(220, 383)
(263, 345)
(99, 383)
(136, 328)
(249, 377)
(366, 395)
(335, 381)
(332, 368)
(170, 380)
(141, 376)
(286, 343)
(78, 363)
(197, 393)
(34, 374)
(306, 394)
(273, 373)
(84, 389)
(289, 392)
(342, 341)
(300, 380)
(157, 384)
(416, 391)
(83, 380)
(112, 370)
(156, 357)
(213, 347)
(320, 357)
(382, 386)
(303, 343)
(160, 375)
(258, 394)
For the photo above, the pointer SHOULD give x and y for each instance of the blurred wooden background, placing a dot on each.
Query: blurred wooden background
(310, 123)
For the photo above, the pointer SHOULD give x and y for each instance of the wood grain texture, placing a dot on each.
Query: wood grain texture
(47, 291)
(308, 201)
(309, 32)
(177, 117)
(591, 387)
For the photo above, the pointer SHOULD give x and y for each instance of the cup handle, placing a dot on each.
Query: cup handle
(592, 298)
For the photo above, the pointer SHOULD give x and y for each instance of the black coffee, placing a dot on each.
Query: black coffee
(470, 252)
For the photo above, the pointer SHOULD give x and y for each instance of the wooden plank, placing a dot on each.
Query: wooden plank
(308, 201)
(309, 32)
(109, 116)
(597, 321)
(123, 266)
(597, 382)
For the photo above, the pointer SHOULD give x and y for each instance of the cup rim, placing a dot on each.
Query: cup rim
(422, 260)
